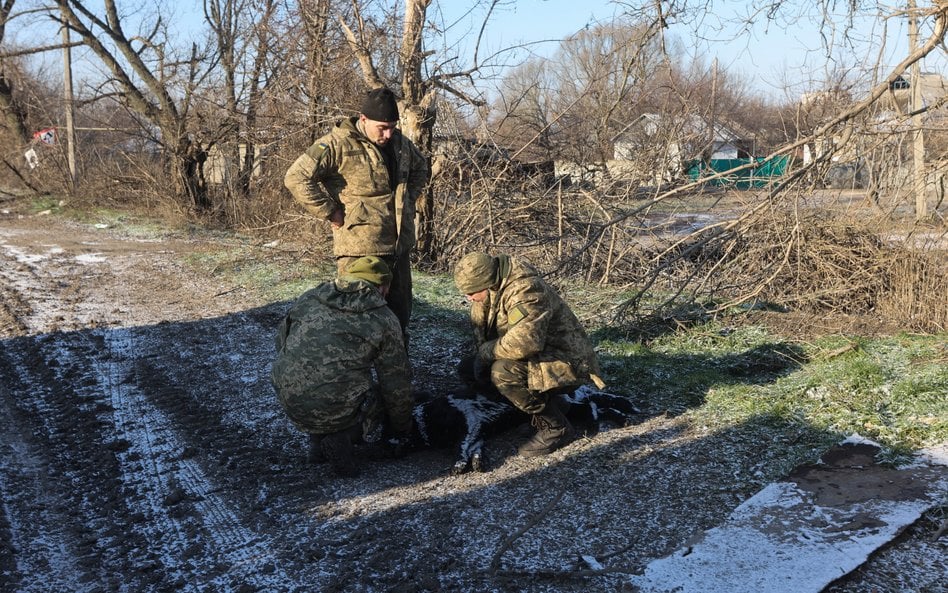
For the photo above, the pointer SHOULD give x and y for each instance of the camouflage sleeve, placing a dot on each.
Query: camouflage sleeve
(304, 175)
(418, 174)
(392, 368)
(478, 315)
(283, 330)
(528, 318)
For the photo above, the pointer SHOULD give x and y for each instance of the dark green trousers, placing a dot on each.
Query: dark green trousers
(510, 378)
(399, 297)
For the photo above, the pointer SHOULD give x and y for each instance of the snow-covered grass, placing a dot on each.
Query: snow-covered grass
(894, 389)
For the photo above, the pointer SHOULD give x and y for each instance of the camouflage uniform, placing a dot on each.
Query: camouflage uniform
(379, 210)
(328, 345)
(531, 340)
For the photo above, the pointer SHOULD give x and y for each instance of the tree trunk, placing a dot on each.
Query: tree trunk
(187, 173)
(418, 116)
(316, 23)
(14, 117)
(417, 123)
(245, 171)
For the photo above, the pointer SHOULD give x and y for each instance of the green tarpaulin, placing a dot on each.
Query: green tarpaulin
(761, 174)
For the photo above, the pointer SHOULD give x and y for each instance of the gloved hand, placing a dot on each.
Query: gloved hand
(483, 361)
(399, 446)
(485, 352)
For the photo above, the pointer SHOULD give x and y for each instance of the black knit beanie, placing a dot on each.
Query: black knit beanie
(380, 105)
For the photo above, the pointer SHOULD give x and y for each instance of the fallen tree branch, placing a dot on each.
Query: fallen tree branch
(941, 530)
(510, 539)
(565, 574)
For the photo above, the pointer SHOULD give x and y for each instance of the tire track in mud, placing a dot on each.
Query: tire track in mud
(83, 503)
(133, 491)
(210, 385)
(34, 540)
(42, 290)
(14, 308)
(183, 498)
(214, 387)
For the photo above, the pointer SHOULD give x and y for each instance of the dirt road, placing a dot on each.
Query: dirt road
(143, 450)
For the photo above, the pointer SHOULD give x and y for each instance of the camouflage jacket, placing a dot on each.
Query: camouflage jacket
(327, 347)
(379, 220)
(525, 319)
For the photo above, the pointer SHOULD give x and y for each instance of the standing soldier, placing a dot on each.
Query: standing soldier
(328, 346)
(529, 342)
(364, 177)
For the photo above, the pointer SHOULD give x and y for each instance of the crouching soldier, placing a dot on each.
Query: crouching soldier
(529, 343)
(328, 345)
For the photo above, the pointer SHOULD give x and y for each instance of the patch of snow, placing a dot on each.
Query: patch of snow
(781, 539)
(592, 563)
(90, 258)
(22, 256)
(937, 455)
(858, 439)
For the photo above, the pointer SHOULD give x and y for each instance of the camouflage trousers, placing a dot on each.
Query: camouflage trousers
(507, 379)
(367, 419)
(399, 297)
(510, 379)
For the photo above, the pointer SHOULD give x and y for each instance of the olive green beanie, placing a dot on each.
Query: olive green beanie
(475, 272)
(371, 269)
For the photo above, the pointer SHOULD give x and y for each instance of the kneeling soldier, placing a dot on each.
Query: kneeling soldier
(328, 345)
(529, 342)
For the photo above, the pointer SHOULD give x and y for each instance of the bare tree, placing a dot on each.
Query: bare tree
(316, 18)
(244, 33)
(12, 111)
(605, 73)
(151, 81)
(25, 93)
(522, 114)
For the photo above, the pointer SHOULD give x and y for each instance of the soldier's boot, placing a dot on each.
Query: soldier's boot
(315, 453)
(337, 448)
(553, 431)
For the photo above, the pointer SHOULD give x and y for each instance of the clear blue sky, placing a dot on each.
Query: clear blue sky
(770, 53)
(787, 49)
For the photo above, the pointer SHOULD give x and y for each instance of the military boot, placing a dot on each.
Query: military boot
(553, 431)
(315, 453)
(337, 448)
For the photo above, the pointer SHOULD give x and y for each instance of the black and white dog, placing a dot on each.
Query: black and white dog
(465, 421)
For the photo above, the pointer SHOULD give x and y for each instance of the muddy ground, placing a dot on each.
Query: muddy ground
(143, 450)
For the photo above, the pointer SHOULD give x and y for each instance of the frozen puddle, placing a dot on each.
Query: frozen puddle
(804, 533)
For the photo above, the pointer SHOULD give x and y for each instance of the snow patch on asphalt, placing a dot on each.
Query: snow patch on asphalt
(784, 539)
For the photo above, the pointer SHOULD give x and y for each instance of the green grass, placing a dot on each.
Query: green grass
(273, 276)
(893, 390)
(437, 295)
(51, 204)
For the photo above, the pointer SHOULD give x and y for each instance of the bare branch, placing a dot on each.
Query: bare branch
(359, 50)
(39, 49)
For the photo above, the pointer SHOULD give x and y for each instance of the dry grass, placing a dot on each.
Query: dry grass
(815, 254)
(817, 263)
(820, 255)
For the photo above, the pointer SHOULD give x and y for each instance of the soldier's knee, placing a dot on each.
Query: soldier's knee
(510, 378)
(508, 374)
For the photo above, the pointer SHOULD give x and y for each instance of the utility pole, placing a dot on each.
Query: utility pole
(711, 118)
(918, 140)
(70, 106)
